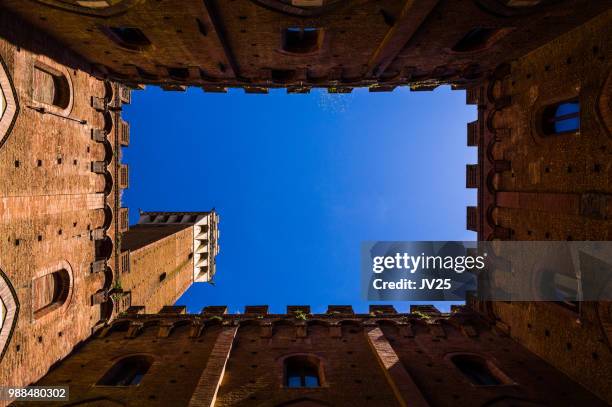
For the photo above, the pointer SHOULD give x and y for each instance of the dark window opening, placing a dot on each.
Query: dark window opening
(302, 40)
(50, 292)
(560, 118)
(162, 277)
(128, 371)
(283, 75)
(476, 39)
(179, 73)
(302, 371)
(50, 87)
(476, 370)
(127, 37)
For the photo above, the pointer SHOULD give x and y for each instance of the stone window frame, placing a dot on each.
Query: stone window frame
(490, 363)
(11, 304)
(321, 365)
(7, 120)
(61, 309)
(322, 40)
(118, 359)
(541, 103)
(111, 32)
(52, 67)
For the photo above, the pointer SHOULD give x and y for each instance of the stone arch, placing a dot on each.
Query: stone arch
(108, 151)
(314, 363)
(108, 217)
(478, 369)
(107, 127)
(52, 289)
(127, 371)
(318, 322)
(9, 312)
(181, 326)
(104, 248)
(108, 183)
(52, 88)
(9, 103)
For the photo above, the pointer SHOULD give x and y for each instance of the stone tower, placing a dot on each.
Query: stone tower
(164, 253)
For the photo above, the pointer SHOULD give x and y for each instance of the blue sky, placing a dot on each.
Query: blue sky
(299, 181)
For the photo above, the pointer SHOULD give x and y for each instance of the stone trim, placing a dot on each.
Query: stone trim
(7, 120)
(205, 393)
(405, 389)
(11, 303)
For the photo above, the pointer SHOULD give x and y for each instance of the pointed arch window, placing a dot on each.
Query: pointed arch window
(478, 371)
(129, 371)
(50, 292)
(302, 371)
(302, 40)
(50, 87)
(561, 118)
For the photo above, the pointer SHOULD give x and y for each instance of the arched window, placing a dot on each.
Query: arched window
(50, 87)
(302, 371)
(298, 40)
(50, 292)
(477, 39)
(127, 37)
(561, 118)
(128, 371)
(477, 370)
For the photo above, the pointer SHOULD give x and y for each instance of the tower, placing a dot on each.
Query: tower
(164, 253)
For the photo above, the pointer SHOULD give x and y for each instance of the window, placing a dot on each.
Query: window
(50, 292)
(127, 37)
(128, 371)
(476, 39)
(476, 370)
(50, 87)
(562, 117)
(162, 277)
(302, 40)
(302, 371)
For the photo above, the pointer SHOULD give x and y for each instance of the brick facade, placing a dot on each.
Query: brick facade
(70, 271)
(391, 359)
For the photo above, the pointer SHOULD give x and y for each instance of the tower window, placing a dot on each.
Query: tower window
(302, 371)
(476, 370)
(298, 40)
(476, 39)
(562, 117)
(127, 37)
(128, 371)
(162, 277)
(49, 292)
(50, 87)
